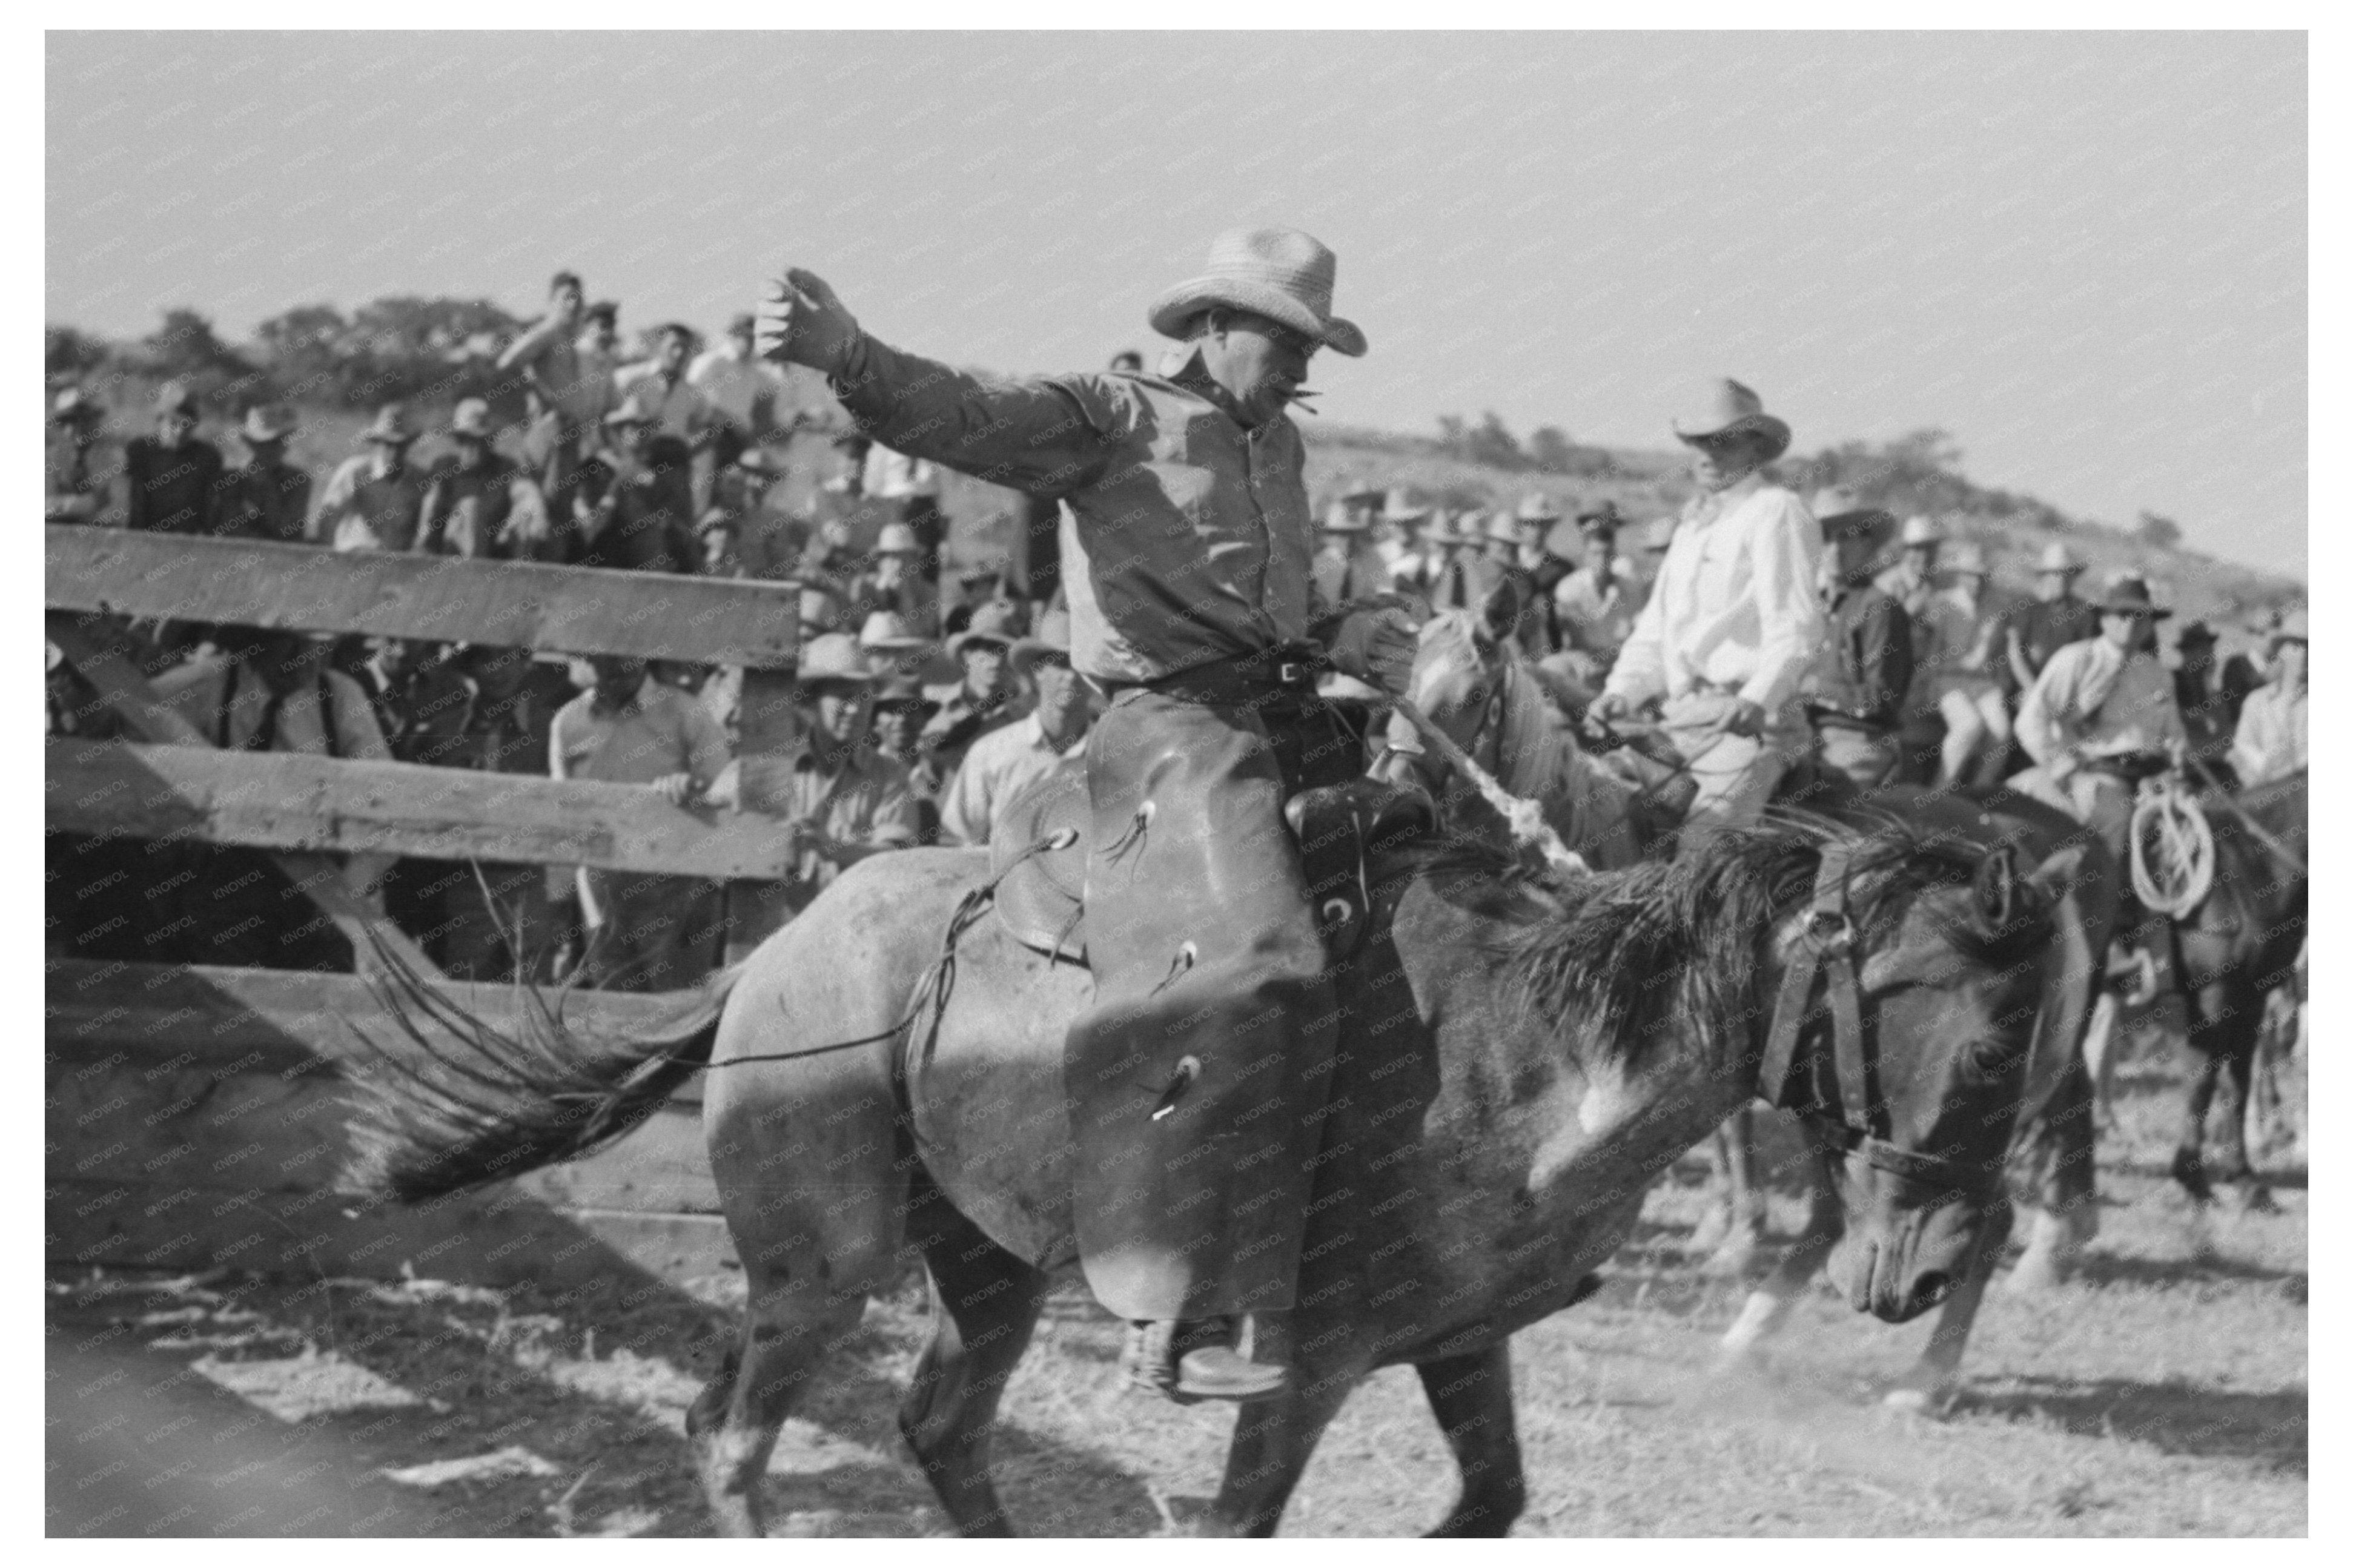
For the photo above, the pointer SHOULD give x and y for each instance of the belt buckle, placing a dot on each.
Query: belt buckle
(1291, 672)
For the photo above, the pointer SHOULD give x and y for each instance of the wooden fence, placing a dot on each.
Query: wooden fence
(196, 1114)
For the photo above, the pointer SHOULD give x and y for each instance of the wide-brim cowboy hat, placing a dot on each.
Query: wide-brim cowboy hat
(1052, 637)
(1340, 518)
(2058, 559)
(1875, 526)
(835, 657)
(903, 692)
(1968, 559)
(888, 632)
(2295, 627)
(1920, 530)
(1726, 408)
(897, 538)
(2129, 596)
(471, 419)
(1278, 273)
(1503, 526)
(1397, 506)
(390, 426)
(263, 422)
(756, 460)
(995, 623)
(75, 406)
(1537, 507)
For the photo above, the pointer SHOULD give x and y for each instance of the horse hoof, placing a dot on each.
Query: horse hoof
(2190, 1173)
(1929, 1404)
(2033, 1276)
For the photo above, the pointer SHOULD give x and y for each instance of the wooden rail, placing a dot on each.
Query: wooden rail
(438, 598)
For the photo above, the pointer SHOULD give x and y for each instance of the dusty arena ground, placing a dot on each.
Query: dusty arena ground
(2162, 1393)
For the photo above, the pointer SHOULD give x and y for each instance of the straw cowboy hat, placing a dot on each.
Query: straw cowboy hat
(905, 691)
(756, 460)
(833, 658)
(1727, 408)
(1503, 526)
(1053, 636)
(1341, 518)
(897, 538)
(2057, 559)
(264, 423)
(995, 623)
(1397, 507)
(888, 632)
(1921, 531)
(1364, 496)
(1537, 507)
(470, 420)
(1278, 273)
(390, 427)
(75, 406)
(1968, 559)
(2129, 596)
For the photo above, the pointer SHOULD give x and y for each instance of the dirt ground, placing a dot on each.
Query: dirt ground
(2161, 1392)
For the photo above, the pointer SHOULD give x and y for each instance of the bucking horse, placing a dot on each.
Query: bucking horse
(1522, 1054)
(1471, 683)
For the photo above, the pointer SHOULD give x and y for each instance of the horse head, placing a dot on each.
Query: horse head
(1915, 974)
(1470, 680)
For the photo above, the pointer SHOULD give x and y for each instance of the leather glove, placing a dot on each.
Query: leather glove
(801, 321)
(1374, 641)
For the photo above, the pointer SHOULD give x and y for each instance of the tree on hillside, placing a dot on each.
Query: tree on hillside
(69, 352)
(186, 349)
(1551, 451)
(402, 347)
(2160, 531)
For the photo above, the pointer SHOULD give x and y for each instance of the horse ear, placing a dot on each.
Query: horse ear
(1996, 889)
(1500, 612)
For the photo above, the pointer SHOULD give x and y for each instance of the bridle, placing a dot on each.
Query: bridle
(1855, 1120)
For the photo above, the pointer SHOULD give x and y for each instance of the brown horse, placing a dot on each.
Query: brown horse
(1520, 1059)
(1470, 681)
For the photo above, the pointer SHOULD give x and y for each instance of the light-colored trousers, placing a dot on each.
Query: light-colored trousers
(1736, 773)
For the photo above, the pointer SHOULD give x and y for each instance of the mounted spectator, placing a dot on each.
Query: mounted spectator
(267, 498)
(647, 932)
(1001, 764)
(1956, 679)
(742, 391)
(170, 480)
(2055, 617)
(2272, 739)
(375, 500)
(624, 511)
(1596, 605)
(1857, 701)
(569, 390)
(1912, 581)
(2209, 694)
(480, 504)
(76, 488)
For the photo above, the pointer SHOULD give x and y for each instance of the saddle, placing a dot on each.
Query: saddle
(1038, 856)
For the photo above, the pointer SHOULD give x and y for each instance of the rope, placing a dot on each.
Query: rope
(1524, 817)
(2176, 878)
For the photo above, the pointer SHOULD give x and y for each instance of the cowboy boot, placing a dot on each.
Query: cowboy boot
(1191, 1360)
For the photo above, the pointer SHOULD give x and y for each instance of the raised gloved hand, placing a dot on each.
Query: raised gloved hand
(1374, 640)
(801, 321)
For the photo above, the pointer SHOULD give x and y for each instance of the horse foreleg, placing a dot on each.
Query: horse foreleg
(1767, 1307)
(1733, 1153)
(2240, 1064)
(2099, 1054)
(1274, 1440)
(1472, 1397)
(985, 1302)
(2189, 1157)
(1929, 1387)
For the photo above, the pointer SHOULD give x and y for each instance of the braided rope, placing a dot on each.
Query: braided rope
(2172, 866)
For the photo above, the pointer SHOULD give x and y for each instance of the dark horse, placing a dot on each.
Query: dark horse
(2232, 949)
(1520, 1059)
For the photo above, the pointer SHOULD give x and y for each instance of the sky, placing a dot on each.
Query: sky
(2083, 255)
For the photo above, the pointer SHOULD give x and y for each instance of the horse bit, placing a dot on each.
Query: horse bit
(1861, 1126)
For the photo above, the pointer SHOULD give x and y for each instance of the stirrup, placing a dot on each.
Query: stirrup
(2135, 978)
(1193, 1360)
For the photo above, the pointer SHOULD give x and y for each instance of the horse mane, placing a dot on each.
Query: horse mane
(1629, 955)
(1534, 759)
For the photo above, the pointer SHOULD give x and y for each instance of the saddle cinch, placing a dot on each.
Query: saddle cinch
(1038, 856)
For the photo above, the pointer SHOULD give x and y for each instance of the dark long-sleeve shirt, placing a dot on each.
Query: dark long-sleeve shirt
(170, 489)
(1193, 542)
(1870, 658)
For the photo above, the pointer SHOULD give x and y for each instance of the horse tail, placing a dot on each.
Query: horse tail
(464, 1104)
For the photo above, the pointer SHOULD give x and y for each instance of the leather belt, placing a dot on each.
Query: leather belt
(1292, 668)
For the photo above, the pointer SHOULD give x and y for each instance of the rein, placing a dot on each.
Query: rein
(1856, 1120)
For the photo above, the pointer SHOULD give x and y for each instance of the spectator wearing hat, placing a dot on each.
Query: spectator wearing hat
(624, 511)
(2209, 692)
(1413, 564)
(1858, 691)
(170, 480)
(1556, 554)
(2272, 740)
(480, 504)
(839, 799)
(1735, 622)
(1596, 605)
(894, 583)
(1003, 764)
(1346, 567)
(908, 488)
(1954, 679)
(890, 644)
(901, 711)
(2051, 619)
(570, 389)
(975, 585)
(1513, 548)
(663, 389)
(1912, 581)
(374, 500)
(1460, 577)
(986, 697)
(647, 931)
(76, 488)
(2102, 698)
(742, 391)
(267, 496)
(743, 536)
